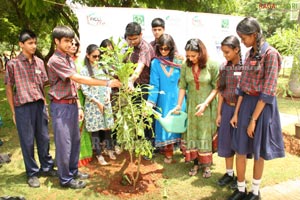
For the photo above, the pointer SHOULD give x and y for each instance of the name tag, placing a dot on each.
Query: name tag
(237, 73)
(37, 71)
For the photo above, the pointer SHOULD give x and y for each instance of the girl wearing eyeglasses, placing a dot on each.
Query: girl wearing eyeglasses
(198, 83)
(164, 77)
(97, 108)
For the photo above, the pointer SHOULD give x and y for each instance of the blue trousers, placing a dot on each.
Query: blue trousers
(67, 139)
(32, 124)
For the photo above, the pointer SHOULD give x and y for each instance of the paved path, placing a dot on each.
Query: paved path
(287, 119)
(289, 190)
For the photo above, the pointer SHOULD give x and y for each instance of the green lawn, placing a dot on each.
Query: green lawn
(176, 183)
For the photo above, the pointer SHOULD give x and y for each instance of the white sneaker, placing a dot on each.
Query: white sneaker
(101, 160)
(111, 155)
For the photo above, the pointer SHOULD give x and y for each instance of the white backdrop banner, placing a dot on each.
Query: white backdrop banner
(98, 23)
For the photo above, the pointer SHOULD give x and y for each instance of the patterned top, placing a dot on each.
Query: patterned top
(28, 78)
(200, 129)
(153, 44)
(261, 76)
(143, 53)
(232, 75)
(60, 68)
(94, 119)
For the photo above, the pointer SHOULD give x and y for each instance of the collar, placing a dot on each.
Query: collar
(22, 57)
(62, 54)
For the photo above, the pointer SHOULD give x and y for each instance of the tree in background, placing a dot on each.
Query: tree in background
(271, 14)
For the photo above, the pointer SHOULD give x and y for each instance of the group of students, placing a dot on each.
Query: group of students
(246, 111)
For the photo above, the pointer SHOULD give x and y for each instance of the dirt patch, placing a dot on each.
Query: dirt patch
(291, 143)
(111, 176)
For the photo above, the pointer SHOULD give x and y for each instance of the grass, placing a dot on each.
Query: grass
(176, 184)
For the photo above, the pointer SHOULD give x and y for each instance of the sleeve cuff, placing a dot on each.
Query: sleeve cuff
(239, 92)
(266, 98)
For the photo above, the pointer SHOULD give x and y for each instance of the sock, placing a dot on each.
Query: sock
(255, 186)
(229, 172)
(241, 186)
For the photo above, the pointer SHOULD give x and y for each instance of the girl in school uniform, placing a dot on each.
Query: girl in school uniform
(256, 117)
(229, 76)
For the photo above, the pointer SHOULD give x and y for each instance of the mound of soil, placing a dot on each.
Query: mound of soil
(291, 143)
(111, 176)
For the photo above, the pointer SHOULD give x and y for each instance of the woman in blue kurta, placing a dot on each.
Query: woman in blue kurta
(164, 77)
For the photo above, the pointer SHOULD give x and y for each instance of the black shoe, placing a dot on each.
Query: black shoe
(50, 173)
(252, 196)
(237, 195)
(233, 185)
(33, 181)
(225, 180)
(74, 184)
(81, 175)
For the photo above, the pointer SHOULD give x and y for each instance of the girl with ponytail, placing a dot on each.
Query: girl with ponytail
(256, 117)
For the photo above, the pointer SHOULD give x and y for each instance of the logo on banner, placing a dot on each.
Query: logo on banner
(225, 23)
(140, 19)
(95, 19)
(173, 19)
(196, 21)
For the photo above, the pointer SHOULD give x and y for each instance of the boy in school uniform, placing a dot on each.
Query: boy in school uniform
(25, 79)
(66, 110)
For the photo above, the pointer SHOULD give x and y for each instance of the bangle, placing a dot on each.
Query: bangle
(80, 108)
(252, 119)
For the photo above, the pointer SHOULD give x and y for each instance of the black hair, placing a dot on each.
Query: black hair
(166, 39)
(62, 31)
(89, 50)
(104, 44)
(133, 28)
(158, 22)
(248, 26)
(198, 46)
(231, 42)
(26, 35)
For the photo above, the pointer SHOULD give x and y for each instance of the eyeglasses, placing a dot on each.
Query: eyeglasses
(164, 48)
(75, 44)
(96, 56)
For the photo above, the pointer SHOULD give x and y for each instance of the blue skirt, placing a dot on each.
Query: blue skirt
(268, 140)
(225, 132)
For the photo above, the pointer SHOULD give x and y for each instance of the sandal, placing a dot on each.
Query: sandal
(168, 160)
(206, 172)
(194, 170)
